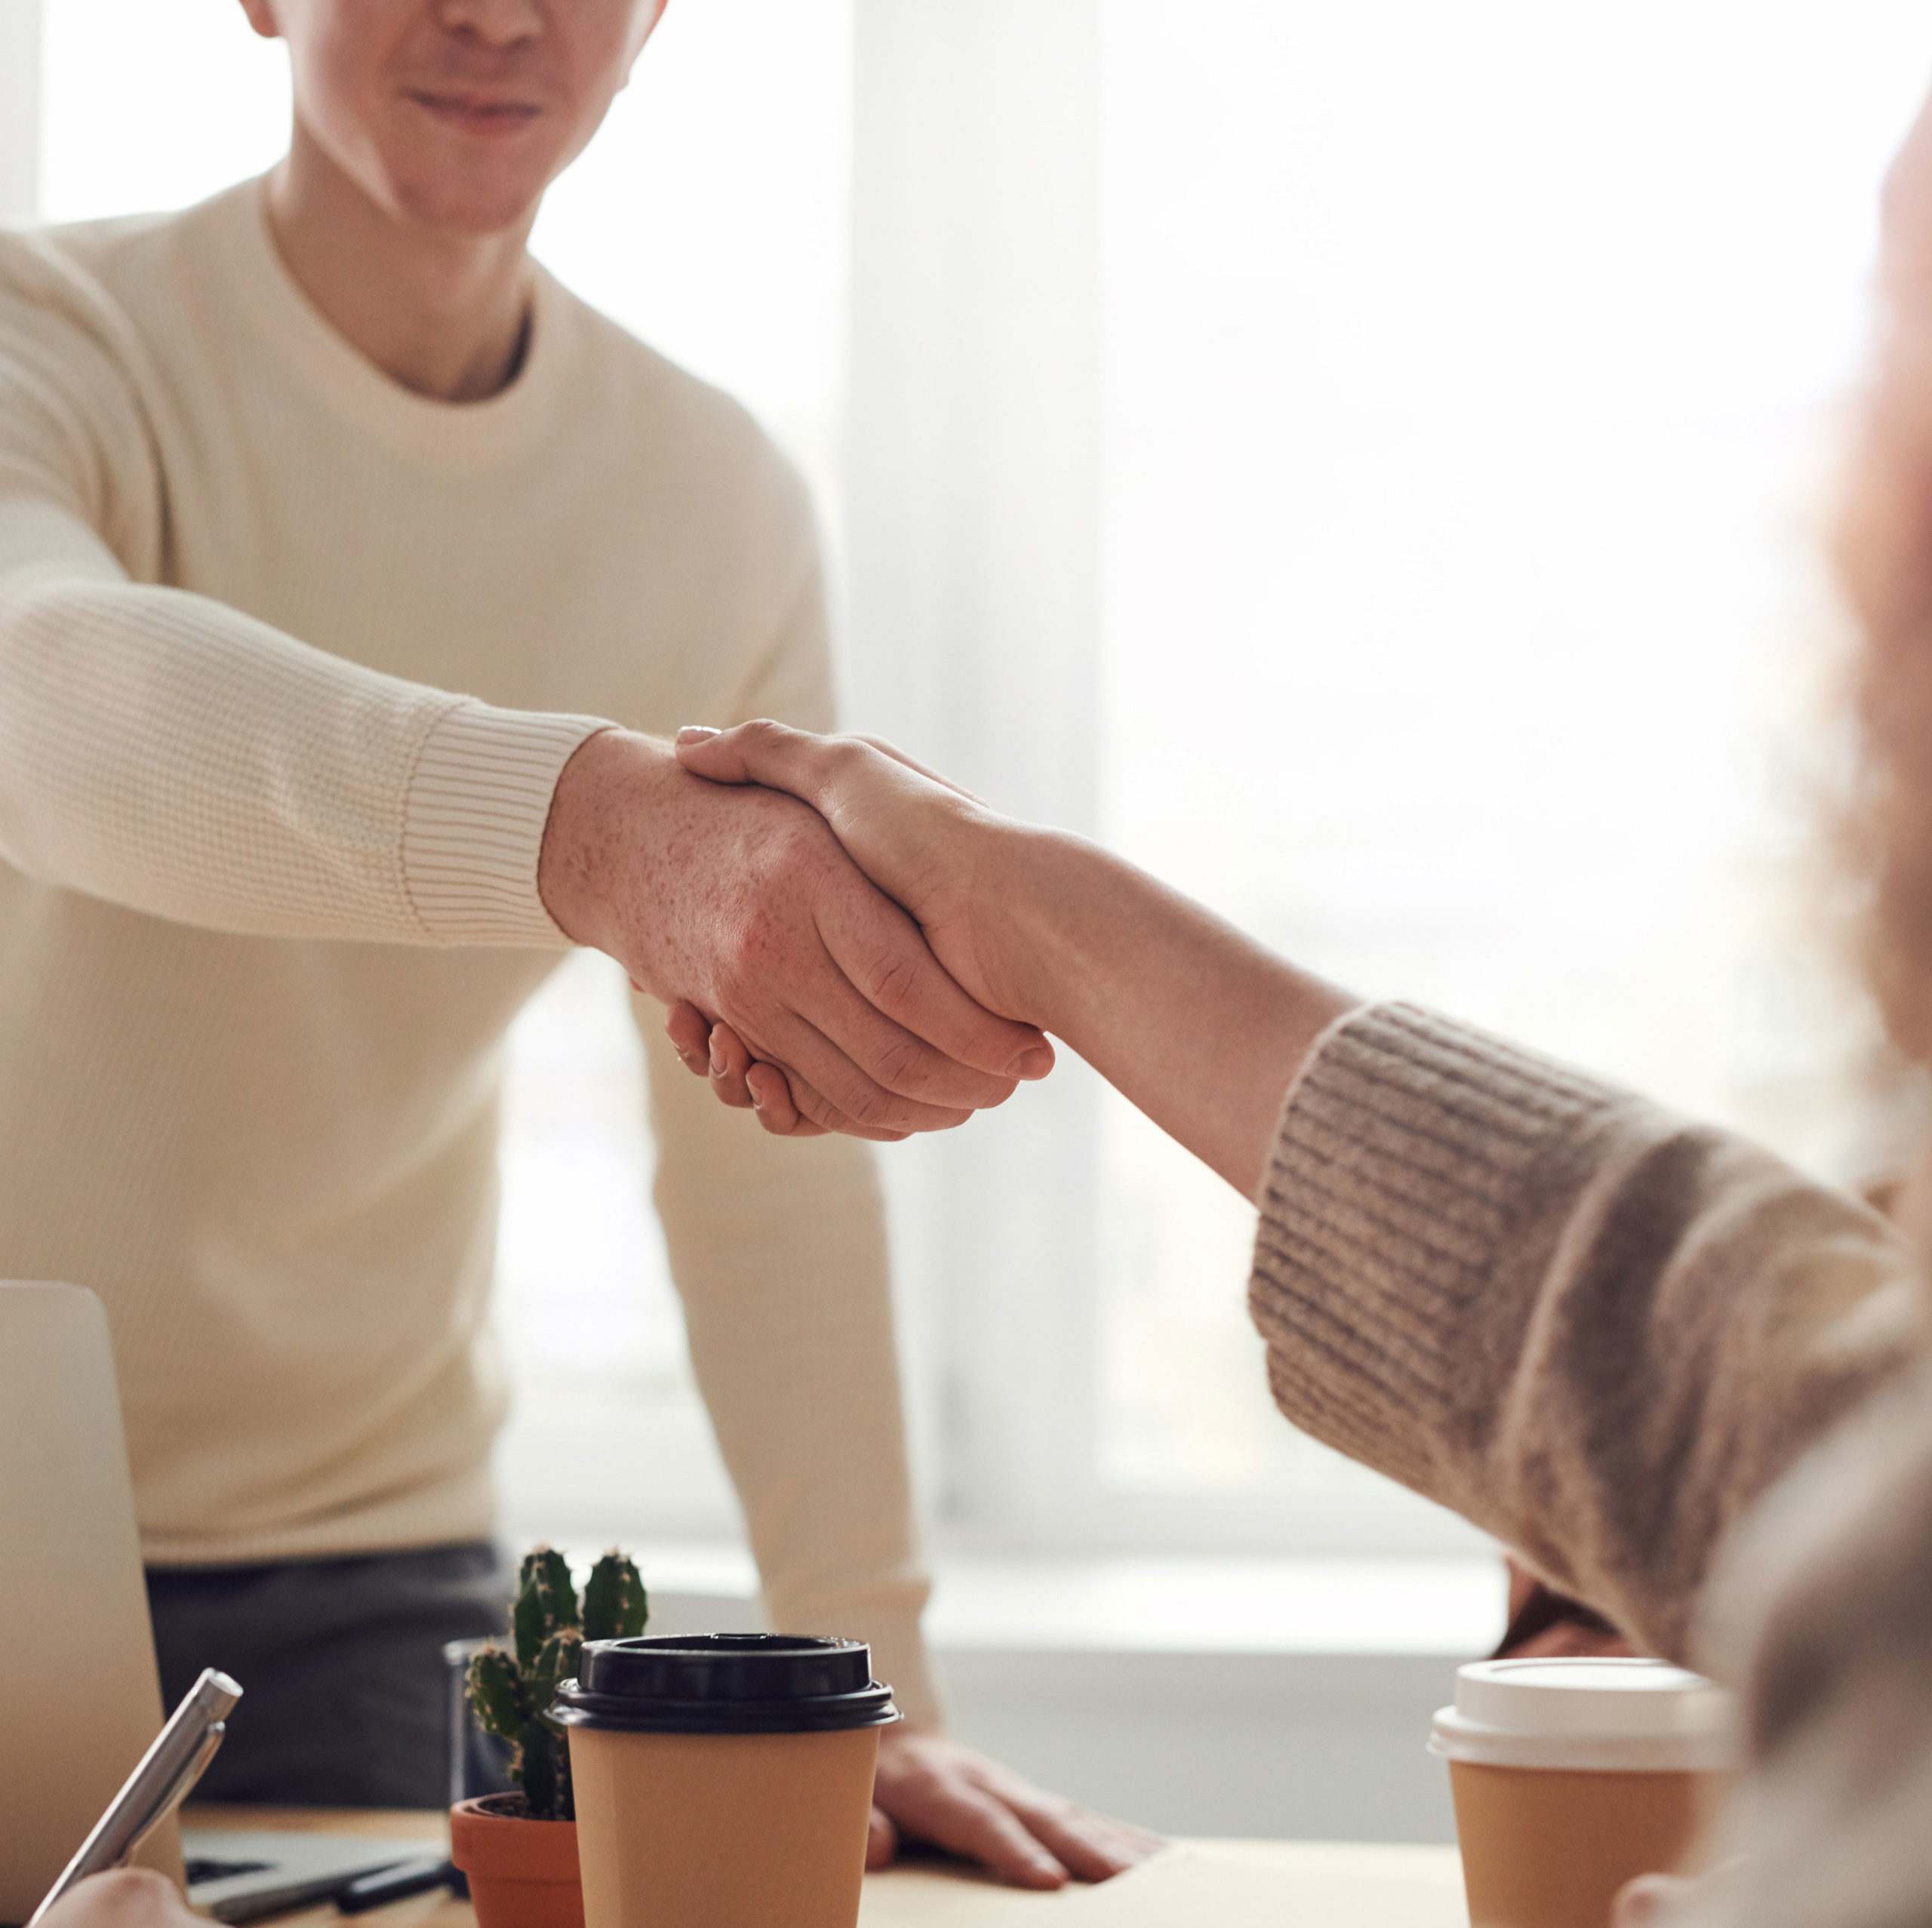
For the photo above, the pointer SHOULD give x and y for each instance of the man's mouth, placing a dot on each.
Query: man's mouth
(476, 113)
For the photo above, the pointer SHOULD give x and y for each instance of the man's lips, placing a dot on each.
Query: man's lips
(477, 113)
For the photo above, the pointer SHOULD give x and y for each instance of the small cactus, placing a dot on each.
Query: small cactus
(614, 1606)
(510, 1693)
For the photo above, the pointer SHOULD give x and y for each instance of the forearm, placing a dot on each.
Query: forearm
(1196, 1024)
(166, 752)
(1594, 1329)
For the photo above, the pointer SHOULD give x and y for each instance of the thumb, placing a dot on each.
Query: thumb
(1647, 1901)
(761, 752)
(703, 750)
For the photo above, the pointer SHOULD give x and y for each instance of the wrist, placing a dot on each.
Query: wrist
(614, 778)
(1029, 946)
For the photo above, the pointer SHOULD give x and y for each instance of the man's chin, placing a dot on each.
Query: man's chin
(470, 205)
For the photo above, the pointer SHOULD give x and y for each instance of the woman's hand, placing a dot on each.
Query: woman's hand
(1648, 1901)
(1655, 1901)
(923, 841)
(1201, 1027)
(127, 1898)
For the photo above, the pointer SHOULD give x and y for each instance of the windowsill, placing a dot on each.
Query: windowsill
(1174, 1606)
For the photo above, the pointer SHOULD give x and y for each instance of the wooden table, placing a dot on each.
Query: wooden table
(1196, 1884)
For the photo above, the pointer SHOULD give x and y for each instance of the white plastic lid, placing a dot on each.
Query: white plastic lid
(1635, 1716)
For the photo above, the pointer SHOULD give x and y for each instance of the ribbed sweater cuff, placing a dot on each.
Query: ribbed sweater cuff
(473, 827)
(1409, 1151)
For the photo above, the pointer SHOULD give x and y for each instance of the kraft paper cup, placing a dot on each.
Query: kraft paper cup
(1570, 1776)
(723, 1780)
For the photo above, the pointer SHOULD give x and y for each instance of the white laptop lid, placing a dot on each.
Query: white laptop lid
(80, 1698)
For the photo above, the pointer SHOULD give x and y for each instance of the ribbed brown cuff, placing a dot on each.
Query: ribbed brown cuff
(1408, 1150)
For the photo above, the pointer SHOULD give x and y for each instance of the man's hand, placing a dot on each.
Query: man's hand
(741, 904)
(128, 1898)
(931, 1789)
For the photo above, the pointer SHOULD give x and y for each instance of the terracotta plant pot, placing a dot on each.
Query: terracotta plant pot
(523, 1874)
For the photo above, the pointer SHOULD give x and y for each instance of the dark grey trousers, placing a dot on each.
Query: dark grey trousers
(345, 1702)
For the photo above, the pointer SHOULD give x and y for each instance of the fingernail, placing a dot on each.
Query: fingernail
(1034, 1061)
(697, 733)
(757, 1101)
(717, 1059)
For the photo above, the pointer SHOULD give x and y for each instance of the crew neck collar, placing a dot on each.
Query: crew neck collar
(441, 434)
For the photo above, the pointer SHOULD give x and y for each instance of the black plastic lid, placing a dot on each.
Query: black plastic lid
(725, 1684)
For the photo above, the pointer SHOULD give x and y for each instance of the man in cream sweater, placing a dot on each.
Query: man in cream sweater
(350, 571)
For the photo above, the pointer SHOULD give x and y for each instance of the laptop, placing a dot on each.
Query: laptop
(80, 1693)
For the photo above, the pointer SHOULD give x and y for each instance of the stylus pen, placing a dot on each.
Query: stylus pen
(395, 1884)
(158, 1784)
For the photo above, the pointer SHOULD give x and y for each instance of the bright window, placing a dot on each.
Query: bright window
(1466, 376)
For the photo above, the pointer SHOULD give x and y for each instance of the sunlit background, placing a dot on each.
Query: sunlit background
(1463, 392)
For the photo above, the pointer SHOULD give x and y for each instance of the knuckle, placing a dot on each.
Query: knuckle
(904, 1066)
(745, 953)
(762, 733)
(873, 1108)
(891, 979)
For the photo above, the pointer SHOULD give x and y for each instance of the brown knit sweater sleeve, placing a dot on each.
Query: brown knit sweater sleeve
(1594, 1329)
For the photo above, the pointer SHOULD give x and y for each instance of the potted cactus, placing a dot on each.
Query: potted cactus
(519, 1849)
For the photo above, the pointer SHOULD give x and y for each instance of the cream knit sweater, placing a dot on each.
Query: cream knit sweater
(290, 661)
(1649, 1354)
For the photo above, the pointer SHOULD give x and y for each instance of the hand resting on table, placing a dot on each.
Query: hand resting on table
(931, 1789)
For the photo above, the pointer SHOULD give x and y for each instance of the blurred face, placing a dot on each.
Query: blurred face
(456, 113)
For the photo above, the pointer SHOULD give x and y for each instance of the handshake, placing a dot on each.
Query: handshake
(813, 910)
(849, 943)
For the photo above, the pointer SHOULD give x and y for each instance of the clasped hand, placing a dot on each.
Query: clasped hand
(740, 909)
(913, 834)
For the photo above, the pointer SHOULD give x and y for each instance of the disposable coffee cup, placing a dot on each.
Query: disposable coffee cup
(723, 1780)
(1570, 1776)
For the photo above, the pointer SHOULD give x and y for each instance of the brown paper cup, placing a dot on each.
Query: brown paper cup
(1572, 1776)
(724, 1781)
(1549, 1847)
(720, 1830)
